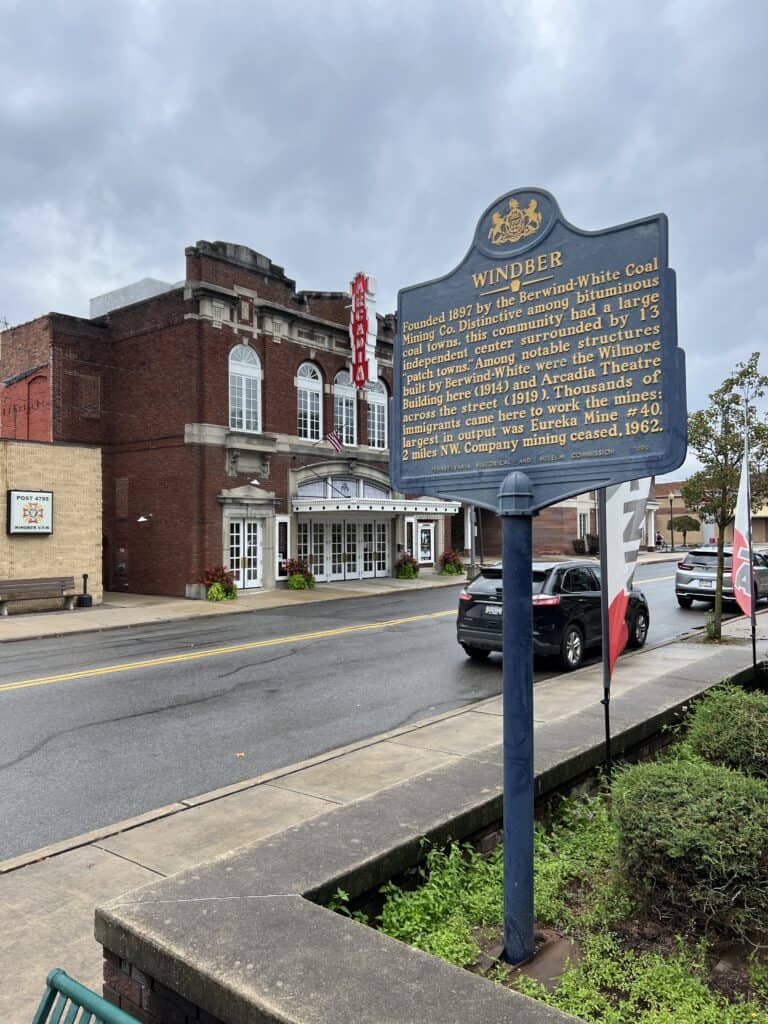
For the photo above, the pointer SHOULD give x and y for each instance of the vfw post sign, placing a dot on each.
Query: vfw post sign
(545, 365)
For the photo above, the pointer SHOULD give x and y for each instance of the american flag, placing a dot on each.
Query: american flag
(334, 440)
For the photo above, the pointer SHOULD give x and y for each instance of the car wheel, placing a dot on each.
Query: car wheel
(572, 648)
(684, 602)
(638, 629)
(476, 653)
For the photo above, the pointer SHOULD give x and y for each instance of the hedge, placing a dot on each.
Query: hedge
(693, 838)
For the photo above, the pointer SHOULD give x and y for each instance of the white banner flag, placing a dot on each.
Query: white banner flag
(741, 569)
(624, 514)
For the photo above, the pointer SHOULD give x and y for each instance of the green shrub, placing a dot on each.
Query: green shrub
(460, 889)
(450, 563)
(619, 986)
(406, 568)
(299, 575)
(223, 579)
(730, 727)
(693, 839)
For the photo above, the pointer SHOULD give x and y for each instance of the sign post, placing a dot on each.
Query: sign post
(543, 366)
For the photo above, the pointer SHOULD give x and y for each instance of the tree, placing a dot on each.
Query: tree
(716, 435)
(684, 525)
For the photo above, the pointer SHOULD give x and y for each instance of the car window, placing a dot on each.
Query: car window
(540, 577)
(578, 581)
(594, 579)
(703, 560)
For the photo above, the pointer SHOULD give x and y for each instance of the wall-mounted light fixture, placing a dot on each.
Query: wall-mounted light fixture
(144, 519)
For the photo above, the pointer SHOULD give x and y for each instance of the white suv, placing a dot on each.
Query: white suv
(696, 577)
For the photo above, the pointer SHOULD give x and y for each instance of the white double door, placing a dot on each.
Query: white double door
(245, 546)
(347, 549)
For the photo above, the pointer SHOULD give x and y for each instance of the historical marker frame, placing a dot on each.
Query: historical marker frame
(556, 481)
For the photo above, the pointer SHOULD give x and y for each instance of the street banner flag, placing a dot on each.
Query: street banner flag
(624, 515)
(741, 568)
(334, 440)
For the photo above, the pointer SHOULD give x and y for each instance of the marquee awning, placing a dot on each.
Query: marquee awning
(380, 506)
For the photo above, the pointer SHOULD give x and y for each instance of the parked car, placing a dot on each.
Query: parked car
(696, 576)
(566, 612)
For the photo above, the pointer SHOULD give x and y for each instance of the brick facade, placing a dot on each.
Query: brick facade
(149, 383)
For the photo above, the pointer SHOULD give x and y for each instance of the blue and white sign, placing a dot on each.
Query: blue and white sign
(30, 512)
(549, 350)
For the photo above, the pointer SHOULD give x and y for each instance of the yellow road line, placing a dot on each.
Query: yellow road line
(172, 659)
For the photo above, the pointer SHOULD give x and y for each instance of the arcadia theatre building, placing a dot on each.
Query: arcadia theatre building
(211, 400)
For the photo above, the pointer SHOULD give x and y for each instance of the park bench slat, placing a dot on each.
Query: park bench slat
(61, 990)
(29, 589)
(72, 1013)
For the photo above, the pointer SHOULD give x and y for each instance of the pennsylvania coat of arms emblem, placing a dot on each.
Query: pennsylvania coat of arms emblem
(515, 223)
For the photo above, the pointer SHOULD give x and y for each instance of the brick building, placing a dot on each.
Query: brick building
(212, 400)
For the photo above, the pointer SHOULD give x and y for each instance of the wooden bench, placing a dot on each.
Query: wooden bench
(35, 590)
(64, 998)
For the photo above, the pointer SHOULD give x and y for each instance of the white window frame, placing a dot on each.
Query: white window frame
(244, 390)
(376, 396)
(345, 408)
(309, 402)
(583, 524)
(282, 521)
(220, 311)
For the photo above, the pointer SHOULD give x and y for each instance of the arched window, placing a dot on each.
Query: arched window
(376, 395)
(345, 408)
(244, 390)
(309, 391)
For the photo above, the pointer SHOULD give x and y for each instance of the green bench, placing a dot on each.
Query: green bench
(64, 998)
(37, 589)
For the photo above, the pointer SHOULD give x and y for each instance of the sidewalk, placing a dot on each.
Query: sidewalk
(119, 610)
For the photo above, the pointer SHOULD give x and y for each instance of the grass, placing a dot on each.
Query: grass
(622, 978)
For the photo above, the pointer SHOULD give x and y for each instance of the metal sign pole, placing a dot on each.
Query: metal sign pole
(515, 497)
(602, 531)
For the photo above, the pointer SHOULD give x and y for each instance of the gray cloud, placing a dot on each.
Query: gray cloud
(348, 136)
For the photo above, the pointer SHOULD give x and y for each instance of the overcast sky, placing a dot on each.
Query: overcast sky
(340, 136)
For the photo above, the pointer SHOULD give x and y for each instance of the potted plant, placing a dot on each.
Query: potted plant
(219, 584)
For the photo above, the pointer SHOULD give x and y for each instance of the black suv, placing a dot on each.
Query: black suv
(566, 612)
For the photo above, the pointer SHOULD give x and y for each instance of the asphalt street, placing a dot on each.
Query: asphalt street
(103, 726)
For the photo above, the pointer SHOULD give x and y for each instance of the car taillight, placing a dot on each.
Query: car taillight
(464, 596)
(546, 599)
(682, 565)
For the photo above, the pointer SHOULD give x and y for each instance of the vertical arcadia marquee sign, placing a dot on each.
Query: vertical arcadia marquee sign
(548, 350)
(545, 365)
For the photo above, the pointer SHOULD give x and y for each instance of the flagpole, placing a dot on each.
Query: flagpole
(602, 530)
(753, 602)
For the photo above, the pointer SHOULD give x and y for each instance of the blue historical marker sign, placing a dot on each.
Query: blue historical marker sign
(549, 350)
(545, 365)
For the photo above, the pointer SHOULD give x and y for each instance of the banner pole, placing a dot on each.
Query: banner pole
(753, 602)
(602, 532)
